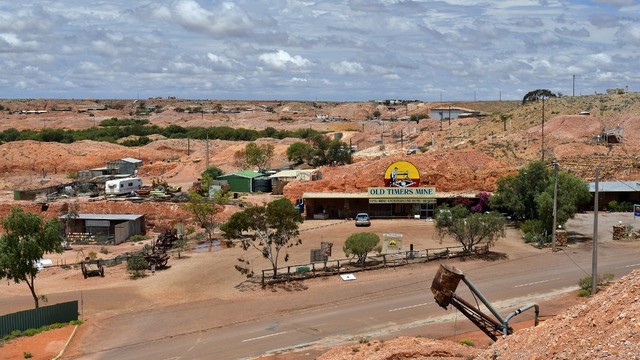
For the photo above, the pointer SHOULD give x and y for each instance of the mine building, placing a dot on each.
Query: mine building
(400, 194)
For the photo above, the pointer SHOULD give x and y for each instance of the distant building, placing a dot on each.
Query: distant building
(128, 166)
(447, 113)
(241, 181)
(619, 191)
(104, 228)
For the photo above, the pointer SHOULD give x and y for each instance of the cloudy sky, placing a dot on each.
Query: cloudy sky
(338, 50)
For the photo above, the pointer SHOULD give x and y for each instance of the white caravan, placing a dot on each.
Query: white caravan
(122, 186)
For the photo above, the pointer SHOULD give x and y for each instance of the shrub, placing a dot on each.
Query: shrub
(27, 355)
(93, 255)
(585, 283)
(104, 250)
(467, 342)
(136, 265)
(136, 238)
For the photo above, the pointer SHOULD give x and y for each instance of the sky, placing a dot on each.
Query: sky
(347, 50)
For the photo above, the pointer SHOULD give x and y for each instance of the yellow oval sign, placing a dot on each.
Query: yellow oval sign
(402, 174)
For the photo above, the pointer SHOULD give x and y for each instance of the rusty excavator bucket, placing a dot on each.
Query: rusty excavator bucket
(444, 287)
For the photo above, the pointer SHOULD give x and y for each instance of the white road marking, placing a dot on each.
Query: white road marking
(409, 307)
(536, 282)
(628, 266)
(265, 336)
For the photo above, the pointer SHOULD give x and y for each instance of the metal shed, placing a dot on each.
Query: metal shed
(124, 166)
(104, 228)
(241, 181)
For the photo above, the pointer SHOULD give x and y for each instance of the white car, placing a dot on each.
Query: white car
(413, 150)
(362, 219)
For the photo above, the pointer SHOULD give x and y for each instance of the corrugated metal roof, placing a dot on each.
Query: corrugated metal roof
(291, 173)
(244, 173)
(615, 186)
(327, 195)
(105, 216)
(364, 195)
(131, 160)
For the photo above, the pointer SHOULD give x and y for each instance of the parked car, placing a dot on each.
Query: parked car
(362, 219)
(413, 150)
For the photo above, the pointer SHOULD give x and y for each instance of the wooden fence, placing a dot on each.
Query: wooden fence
(342, 266)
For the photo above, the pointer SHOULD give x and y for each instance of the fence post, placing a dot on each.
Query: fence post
(288, 273)
(384, 260)
(313, 269)
(263, 279)
(338, 267)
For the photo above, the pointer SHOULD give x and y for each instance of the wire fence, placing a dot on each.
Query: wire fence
(351, 265)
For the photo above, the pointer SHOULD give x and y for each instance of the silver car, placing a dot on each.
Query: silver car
(362, 219)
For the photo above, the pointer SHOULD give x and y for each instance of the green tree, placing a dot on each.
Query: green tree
(360, 245)
(204, 211)
(320, 144)
(258, 155)
(529, 195)
(299, 152)
(339, 153)
(516, 193)
(213, 172)
(536, 95)
(269, 229)
(469, 229)
(572, 194)
(327, 151)
(27, 238)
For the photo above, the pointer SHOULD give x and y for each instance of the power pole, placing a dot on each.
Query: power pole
(594, 255)
(542, 142)
(574, 85)
(555, 205)
(206, 161)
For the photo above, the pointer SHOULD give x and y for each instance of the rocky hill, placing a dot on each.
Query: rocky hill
(464, 155)
(604, 327)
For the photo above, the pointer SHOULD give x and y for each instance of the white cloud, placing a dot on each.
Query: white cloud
(282, 61)
(347, 68)
(629, 35)
(219, 61)
(226, 19)
(618, 2)
(255, 48)
(13, 42)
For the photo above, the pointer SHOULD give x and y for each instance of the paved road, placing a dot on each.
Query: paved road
(404, 308)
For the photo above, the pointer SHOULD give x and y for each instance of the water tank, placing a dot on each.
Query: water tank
(262, 184)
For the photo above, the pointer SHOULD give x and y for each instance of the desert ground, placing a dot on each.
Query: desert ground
(106, 298)
(464, 155)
